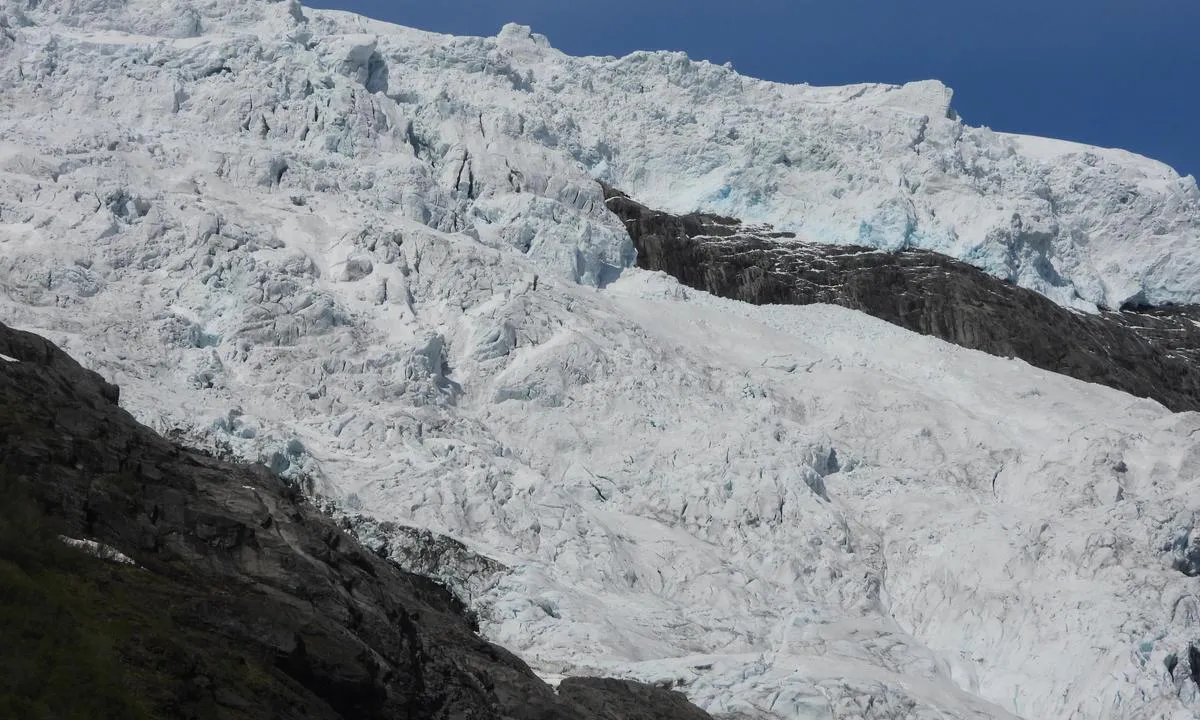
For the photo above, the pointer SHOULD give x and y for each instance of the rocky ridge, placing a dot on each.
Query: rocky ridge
(259, 606)
(1148, 352)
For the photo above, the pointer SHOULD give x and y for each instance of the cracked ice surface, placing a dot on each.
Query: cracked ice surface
(493, 135)
(313, 239)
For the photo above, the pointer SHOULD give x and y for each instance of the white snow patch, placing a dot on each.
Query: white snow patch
(99, 550)
(551, 679)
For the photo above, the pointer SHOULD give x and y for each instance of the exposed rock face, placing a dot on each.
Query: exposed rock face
(1148, 352)
(623, 699)
(245, 601)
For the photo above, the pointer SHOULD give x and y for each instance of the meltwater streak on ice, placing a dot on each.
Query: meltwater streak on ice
(368, 256)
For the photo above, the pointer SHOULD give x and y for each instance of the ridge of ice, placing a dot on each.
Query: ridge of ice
(369, 257)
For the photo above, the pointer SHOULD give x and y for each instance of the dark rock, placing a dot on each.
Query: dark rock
(1147, 352)
(621, 699)
(421, 552)
(246, 601)
(1184, 553)
(29, 348)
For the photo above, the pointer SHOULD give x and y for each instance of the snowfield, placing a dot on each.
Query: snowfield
(377, 258)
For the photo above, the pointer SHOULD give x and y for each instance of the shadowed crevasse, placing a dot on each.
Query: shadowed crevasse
(245, 601)
(1147, 352)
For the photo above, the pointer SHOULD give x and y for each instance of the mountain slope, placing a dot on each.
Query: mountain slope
(240, 600)
(372, 258)
(1148, 354)
(499, 136)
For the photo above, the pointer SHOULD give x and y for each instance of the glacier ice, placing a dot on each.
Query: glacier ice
(377, 259)
(468, 133)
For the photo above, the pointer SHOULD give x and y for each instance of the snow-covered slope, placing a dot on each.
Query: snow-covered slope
(374, 257)
(873, 164)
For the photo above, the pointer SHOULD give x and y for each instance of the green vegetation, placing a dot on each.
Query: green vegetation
(60, 651)
(87, 639)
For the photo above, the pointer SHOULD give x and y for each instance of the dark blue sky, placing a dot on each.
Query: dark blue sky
(1117, 73)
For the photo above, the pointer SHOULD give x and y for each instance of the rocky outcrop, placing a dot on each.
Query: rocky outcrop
(241, 600)
(1148, 352)
(613, 699)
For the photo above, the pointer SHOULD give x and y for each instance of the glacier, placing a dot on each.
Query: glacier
(378, 259)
